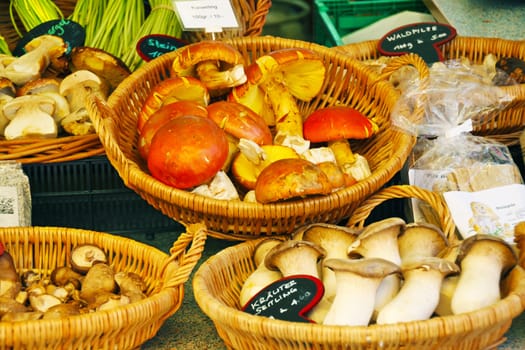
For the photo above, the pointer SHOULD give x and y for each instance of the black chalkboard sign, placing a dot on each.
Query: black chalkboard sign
(422, 38)
(154, 45)
(289, 298)
(71, 32)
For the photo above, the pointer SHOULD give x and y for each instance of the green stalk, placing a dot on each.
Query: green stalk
(120, 23)
(89, 13)
(33, 13)
(161, 20)
(4, 48)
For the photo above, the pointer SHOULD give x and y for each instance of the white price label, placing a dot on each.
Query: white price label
(210, 15)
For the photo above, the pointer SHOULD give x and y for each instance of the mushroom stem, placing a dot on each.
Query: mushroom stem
(357, 283)
(419, 295)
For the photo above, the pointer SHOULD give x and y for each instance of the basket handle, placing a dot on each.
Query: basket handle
(434, 199)
(179, 265)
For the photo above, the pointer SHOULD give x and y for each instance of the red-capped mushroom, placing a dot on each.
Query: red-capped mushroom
(335, 125)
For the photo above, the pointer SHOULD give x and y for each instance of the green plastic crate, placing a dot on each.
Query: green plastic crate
(89, 194)
(333, 19)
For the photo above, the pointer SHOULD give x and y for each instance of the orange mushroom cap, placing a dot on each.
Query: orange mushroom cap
(336, 123)
(240, 121)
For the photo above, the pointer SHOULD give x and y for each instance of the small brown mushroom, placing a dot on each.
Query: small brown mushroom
(83, 257)
(99, 279)
(10, 283)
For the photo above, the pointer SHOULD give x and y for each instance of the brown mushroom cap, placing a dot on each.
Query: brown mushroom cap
(240, 121)
(308, 250)
(365, 267)
(290, 178)
(337, 123)
(7, 87)
(421, 239)
(484, 244)
(102, 63)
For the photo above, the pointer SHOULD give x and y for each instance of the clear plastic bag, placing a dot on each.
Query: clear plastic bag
(15, 195)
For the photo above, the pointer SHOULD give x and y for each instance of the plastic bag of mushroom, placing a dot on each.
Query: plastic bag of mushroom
(385, 273)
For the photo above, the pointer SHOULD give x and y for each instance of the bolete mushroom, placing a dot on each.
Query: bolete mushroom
(220, 66)
(483, 259)
(335, 125)
(189, 161)
(357, 284)
(76, 87)
(419, 294)
(7, 93)
(285, 75)
(39, 53)
(172, 90)
(239, 122)
(102, 63)
(290, 178)
(99, 280)
(261, 276)
(30, 116)
(379, 240)
(294, 257)
(131, 285)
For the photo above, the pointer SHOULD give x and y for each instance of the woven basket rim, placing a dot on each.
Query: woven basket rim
(135, 177)
(237, 320)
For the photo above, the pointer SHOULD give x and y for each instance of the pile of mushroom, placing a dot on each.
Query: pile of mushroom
(87, 284)
(274, 152)
(43, 91)
(387, 272)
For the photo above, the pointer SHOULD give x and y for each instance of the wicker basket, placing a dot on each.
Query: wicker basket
(250, 13)
(507, 125)
(348, 82)
(127, 327)
(217, 284)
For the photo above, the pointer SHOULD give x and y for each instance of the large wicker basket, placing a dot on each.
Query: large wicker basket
(217, 284)
(126, 327)
(348, 82)
(507, 125)
(251, 15)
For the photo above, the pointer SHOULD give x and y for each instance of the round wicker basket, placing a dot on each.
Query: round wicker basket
(126, 327)
(217, 284)
(251, 15)
(507, 125)
(347, 82)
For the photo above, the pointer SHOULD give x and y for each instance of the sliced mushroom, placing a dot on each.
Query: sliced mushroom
(7, 93)
(31, 116)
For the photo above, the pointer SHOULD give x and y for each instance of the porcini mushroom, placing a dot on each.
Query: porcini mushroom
(290, 178)
(217, 64)
(172, 90)
(379, 240)
(285, 75)
(483, 259)
(419, 240)
(7, 93)
(105, 65)
(357, 284)
(39, 53)
(261, 276)
(419, 295)
(293, 257)
(30, 116)
(76, 87)
(99, 280)
(336, 125)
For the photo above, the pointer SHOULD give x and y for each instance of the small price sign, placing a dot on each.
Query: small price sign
(155, 45)
(422, 38)
(71, 32)
(210, 15)
(289, 298)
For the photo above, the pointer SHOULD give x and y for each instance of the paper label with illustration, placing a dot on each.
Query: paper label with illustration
(494, 211)
(9, 206)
